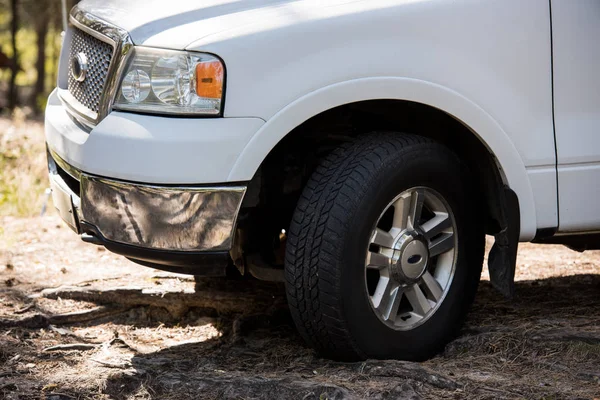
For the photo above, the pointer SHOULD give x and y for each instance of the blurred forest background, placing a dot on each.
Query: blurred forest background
(30, 42)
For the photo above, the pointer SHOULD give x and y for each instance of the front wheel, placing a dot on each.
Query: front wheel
(385, 249)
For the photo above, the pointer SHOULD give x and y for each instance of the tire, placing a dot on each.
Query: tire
(333, 235)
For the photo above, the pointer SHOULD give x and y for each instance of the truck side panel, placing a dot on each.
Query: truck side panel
(576, 57)
(494, 53)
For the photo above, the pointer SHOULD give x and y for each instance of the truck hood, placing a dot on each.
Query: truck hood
(177, 23)
(194, 24)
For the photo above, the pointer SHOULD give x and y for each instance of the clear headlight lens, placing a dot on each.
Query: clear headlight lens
(136, 86)
(166, 81)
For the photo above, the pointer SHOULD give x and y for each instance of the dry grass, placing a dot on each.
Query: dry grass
(23, 170)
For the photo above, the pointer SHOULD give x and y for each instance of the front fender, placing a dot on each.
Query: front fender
(486, 128)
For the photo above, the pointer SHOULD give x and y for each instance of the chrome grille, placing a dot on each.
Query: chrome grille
(99, 54)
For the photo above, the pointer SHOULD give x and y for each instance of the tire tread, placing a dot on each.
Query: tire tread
(311, 272)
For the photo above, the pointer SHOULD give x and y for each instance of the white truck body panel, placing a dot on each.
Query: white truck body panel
(576, 29)
(405, 89)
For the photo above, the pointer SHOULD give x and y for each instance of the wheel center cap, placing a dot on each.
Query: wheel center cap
(411, 257)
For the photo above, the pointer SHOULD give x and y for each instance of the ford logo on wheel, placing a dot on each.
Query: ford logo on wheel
(79, 67)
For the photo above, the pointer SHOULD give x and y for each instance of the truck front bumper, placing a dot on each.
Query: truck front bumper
(154, 149)
(176, 228)
(182, 217)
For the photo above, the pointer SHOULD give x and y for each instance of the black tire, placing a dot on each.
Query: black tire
(324, 265)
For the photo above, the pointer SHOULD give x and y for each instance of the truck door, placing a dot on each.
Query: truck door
(576, 64)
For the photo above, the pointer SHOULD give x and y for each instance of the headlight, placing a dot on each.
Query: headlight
(171, 82)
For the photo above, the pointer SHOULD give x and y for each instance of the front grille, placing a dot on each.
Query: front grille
(98, 54)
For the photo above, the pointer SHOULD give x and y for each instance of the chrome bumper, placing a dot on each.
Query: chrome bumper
(163, 218)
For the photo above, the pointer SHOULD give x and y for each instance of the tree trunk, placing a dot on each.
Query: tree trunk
(40, 65)
(55, 50)
(14, 24)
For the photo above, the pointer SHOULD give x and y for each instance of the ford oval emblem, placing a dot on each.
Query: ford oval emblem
(79, 67)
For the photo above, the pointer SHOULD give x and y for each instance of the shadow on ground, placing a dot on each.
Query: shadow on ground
(544, 343)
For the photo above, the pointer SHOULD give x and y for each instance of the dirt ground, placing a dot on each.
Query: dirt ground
(77, 322)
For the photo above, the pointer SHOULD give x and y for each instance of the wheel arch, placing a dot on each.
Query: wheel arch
(509, 165)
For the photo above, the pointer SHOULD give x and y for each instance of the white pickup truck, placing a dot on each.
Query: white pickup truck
(358, 150)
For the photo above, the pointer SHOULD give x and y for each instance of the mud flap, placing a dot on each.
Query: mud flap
(502, 259)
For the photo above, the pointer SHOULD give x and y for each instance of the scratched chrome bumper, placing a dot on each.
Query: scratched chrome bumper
(164, 218)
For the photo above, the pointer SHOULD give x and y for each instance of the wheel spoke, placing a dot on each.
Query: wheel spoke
(441, 245)
(384, 295)
(401, 212)
(377, 260)
(408, 209)
(382, 238)
(432, 286)
(417, 300)
(391, 311)
(416, 208)
(436, 225)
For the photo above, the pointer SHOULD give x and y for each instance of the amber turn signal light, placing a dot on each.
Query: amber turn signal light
(209, 79)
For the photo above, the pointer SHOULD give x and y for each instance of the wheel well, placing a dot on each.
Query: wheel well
(274, 190)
